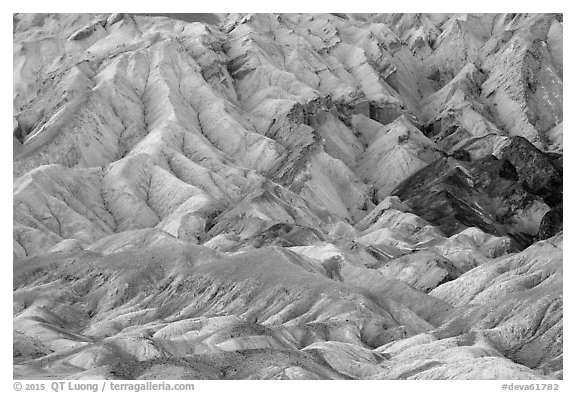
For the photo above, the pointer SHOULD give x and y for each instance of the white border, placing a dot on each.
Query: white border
(6, 383)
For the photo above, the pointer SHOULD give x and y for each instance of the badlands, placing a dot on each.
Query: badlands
(287, 196)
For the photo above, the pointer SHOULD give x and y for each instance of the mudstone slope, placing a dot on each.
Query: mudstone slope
(287, 196)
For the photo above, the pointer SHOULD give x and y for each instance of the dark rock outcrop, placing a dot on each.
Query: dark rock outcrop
(536, 171)
(492, 194)
(551, 223)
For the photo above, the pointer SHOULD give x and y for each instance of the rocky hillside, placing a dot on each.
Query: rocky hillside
(287, 196)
